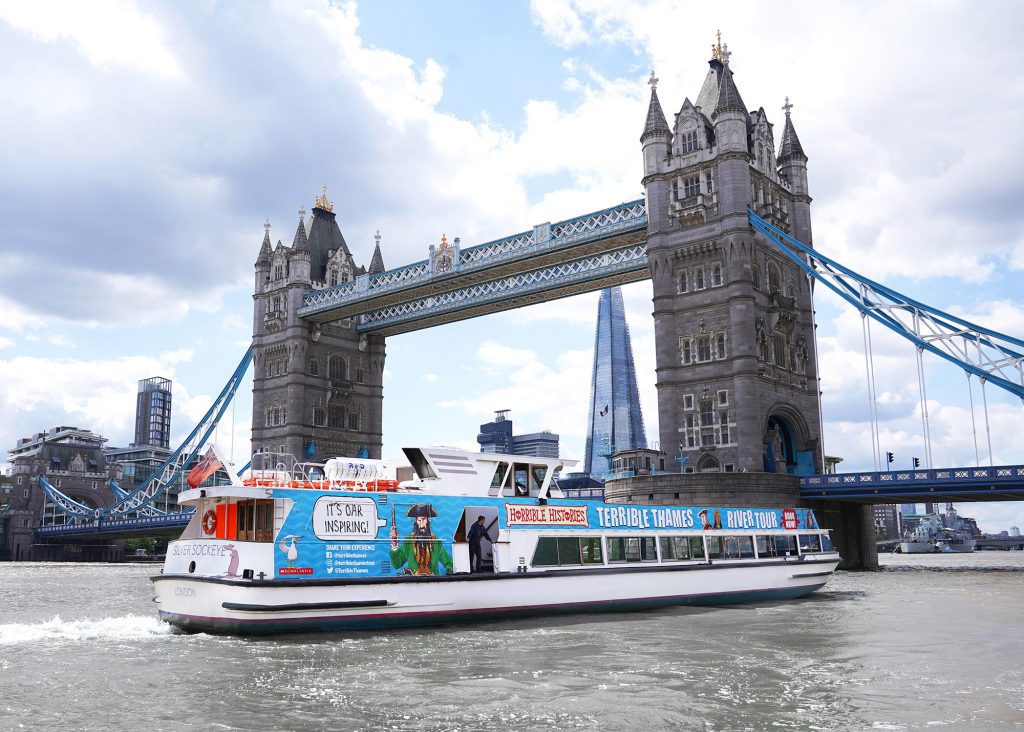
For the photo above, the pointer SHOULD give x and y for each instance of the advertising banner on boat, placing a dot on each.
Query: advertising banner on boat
(328, 534)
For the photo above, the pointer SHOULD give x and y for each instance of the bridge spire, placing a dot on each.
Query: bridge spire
(264, 255)
(376, 261)
(790, 147)
(656, 124)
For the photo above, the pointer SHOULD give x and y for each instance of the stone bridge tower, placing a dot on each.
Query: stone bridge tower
(736, 369)
(317, 389)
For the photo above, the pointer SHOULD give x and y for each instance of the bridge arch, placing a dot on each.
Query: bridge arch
(786, 437)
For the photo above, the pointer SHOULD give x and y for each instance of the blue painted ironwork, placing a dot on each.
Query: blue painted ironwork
(992, 356)
(961, 484)
(118, 525)
(628, 259)
(140, 500)
(624, 218)
(120, 494)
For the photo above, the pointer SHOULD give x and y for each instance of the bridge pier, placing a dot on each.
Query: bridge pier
(851, 525)
(853, 531)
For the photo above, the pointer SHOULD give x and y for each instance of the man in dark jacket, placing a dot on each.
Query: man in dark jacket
(476, 533)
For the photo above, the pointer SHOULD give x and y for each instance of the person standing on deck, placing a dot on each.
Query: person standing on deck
(477, 532)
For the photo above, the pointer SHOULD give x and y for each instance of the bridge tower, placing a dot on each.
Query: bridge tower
(317, 388)
(736, 370)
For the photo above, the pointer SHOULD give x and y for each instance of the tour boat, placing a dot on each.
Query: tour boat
(300, 547)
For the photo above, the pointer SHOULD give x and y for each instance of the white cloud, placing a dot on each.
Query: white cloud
(6, 342)
(109, 33)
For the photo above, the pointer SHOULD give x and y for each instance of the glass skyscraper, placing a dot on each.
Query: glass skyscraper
(616, 420)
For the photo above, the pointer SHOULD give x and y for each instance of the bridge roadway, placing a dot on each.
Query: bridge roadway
(961, 485)
(570, 257)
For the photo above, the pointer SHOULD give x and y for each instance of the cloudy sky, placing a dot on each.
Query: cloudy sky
(144, 144)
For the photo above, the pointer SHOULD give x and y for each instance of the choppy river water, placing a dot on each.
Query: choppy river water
(927, 642)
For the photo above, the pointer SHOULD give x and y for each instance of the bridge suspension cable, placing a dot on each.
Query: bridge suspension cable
(140, 500)
(992, 356)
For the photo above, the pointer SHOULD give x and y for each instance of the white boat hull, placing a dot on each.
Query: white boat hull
(227, 605)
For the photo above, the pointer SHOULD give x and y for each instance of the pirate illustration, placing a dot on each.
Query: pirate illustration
(421, 552)
(703, 516)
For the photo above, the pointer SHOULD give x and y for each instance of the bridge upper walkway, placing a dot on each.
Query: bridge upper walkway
(580, 254)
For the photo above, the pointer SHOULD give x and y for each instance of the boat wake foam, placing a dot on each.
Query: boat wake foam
(124, 628)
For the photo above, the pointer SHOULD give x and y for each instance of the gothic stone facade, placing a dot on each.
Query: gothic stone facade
(72, 460)
(736, 369)
(317, 390)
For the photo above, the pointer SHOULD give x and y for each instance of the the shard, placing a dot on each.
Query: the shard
(616, 420)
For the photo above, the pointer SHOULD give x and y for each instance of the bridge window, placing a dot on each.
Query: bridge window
(704, 348)
(278, 271)
(337, 368)
(774, 278)
(756, 275)
(709, 182)
(686, 350)
(779, 349)
(688, 401)
(723, 422)
(335, 417)
(359, 376)
(698, 278)
(716, 275)
(720, 346)
(314, 367)
(682, 281)
(334, 278)
(688, 143)
(691, 186)
(353, 420)
(723, 396)
(319, 417)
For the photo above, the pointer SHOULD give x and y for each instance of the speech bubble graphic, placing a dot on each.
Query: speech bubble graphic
(345, 518)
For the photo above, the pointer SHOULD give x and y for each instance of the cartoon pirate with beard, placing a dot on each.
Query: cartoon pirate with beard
(421, 551)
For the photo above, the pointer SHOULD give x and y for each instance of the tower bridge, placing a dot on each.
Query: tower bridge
(724, 234)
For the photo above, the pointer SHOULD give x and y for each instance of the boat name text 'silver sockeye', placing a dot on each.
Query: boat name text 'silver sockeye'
(298, 547)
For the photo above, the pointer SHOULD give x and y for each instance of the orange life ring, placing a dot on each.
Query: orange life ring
(209, 522)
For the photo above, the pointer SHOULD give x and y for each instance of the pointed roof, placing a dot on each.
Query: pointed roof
(376, 261)
(264, 255)
(300, 243)
(707, 99)
(656, 124)
(324, 237)
(790, 146)
(729, 99)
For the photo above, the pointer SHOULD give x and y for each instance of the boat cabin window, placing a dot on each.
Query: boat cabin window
(810, 543)
(738, 547)
(785, 546)
(826, 543)
(674, 548)
(632, 549)
(526, 479)
(255, 520)
(499, 478)
(567, 551)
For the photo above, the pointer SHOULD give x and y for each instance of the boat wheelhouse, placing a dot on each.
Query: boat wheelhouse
(304, 547)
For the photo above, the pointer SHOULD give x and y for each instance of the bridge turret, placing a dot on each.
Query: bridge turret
(263, 260)
(731, 122)
(793, 168)
(299, 258)
(657, 144)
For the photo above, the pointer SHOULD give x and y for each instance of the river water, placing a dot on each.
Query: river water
(926, 642)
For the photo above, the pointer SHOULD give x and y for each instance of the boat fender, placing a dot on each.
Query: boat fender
(209, 522)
